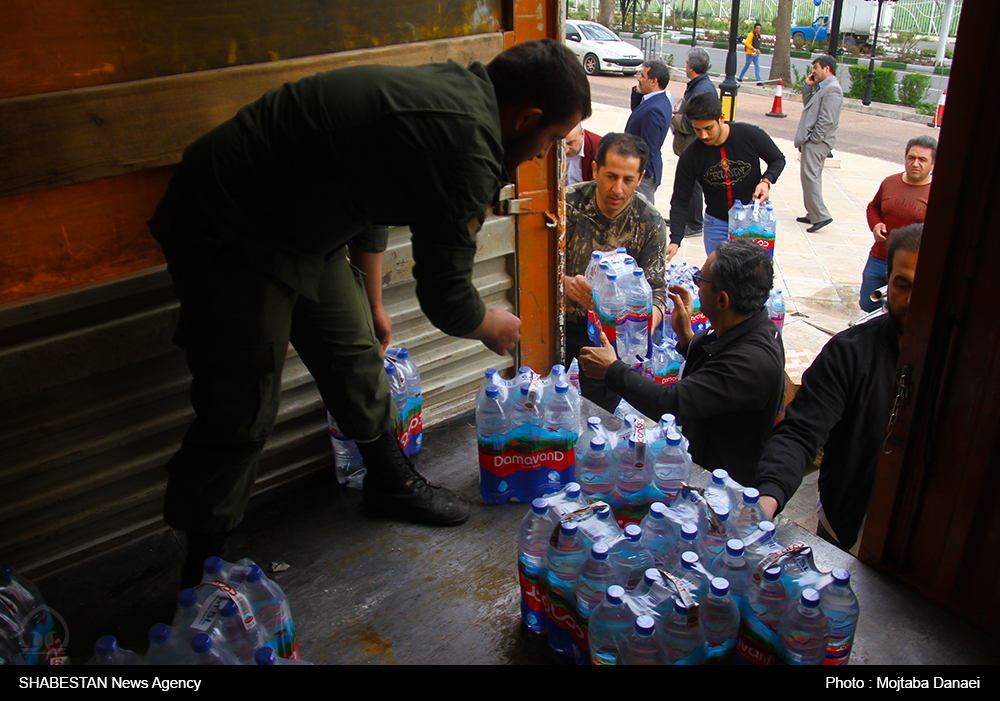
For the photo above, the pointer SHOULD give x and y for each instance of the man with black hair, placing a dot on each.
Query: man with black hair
(274, 232)
(844, 406)
(652, 108)
(725, 161)
(752, 46)
(604, 215)
(733, 382)
(816, 136)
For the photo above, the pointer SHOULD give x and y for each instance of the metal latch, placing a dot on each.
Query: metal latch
(508, 204)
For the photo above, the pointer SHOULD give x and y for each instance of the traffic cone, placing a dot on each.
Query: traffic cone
(776, 107)
(939, 115)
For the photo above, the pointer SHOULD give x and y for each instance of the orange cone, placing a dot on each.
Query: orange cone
(939, 115)
(776, 107)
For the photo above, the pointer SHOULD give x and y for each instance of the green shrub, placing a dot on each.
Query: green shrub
(912, 89)
(883, 84)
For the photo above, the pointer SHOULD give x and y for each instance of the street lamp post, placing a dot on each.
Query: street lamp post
(694, 25)
(729, 87)
(867, 99)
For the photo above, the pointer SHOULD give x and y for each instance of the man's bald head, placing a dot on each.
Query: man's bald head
(574, 141)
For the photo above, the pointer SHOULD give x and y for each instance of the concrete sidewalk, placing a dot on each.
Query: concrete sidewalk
(819, 274)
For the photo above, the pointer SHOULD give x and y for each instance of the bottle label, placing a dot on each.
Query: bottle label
(212, 608)
(410, 429)
(838, 649)
(533, 598)
(756, 234)
(560, 609)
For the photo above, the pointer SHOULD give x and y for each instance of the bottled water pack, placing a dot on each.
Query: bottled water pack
(404, 383)
(754, 223)
(623, 304)
(527, 431)
(29, 634)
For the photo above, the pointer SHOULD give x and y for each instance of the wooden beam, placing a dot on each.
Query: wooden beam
(79, 135)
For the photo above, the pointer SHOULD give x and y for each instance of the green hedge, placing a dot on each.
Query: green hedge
(912, 89)
(883, 85)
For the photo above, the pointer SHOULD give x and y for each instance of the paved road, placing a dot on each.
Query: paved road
(863, 134)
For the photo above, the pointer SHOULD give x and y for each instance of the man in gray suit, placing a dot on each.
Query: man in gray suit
(816, 135)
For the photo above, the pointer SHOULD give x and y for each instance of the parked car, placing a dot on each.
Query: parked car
(600, 49)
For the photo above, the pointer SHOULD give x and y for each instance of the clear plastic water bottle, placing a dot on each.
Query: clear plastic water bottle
(272, 611)
(683, 640)
(799, 571)
(533, 544)
(592, 268)
(107, 653)
(526, 411)
(597, 472)
(719, 493)
(688, 540)
(804, 631)
(748, 513)
(205, 651)
(693, 574)
(658, 532)
(492, 423)
(720, 618)
(242, 641)
(631, 556)
(165, 648)
(348, 465)
(608, 625)
(560, 412)
(761, 543)
(411, 428)
(840, 605)
(633, 473)
(736, 218)
(562, 563)
(613, 310)
(596, 575)
(715, 540)
(593, 428)
(733, 566)
(776, 309)
(574, 373)
(644, 645)
(672, 468)
(639, 306)
(758, 642)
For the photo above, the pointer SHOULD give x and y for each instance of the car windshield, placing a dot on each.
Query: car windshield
(597, 32)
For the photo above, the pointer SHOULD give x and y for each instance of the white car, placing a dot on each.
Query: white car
(600, 49)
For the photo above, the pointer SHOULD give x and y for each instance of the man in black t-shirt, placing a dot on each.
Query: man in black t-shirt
(725, 161)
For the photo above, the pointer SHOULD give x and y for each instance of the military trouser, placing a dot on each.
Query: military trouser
(235, 325)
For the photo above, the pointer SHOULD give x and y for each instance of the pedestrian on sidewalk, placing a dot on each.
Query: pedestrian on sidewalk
(752, 45)
(696, 67)
(817, 133)
(901, 200)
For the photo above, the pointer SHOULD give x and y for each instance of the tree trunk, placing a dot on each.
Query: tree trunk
(781, 61)
(607, 13)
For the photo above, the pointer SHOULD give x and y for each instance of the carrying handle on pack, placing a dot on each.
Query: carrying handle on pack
(687, 599)
(776, 559)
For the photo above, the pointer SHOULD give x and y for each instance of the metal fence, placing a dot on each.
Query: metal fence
(920, 16)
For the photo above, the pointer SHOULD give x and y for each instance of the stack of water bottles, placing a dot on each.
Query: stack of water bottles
(681, 275)
(623, 304)
(236, 616)
(28, 631)
(754, 223)
(701, 579)
(527, 431)
(776, 309)
(404, 383)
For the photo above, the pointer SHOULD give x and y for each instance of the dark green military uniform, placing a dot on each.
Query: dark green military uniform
(254, 227)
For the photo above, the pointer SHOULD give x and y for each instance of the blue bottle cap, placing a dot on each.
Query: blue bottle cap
(621, 249)
(689, 560)
(645, 625)
(402, 354)
(651, 576)
(632, 532)
(525, 387)
(615, 594)
(540, 505)
(568, 528)
(673, 439)
(492, 391)
(6, 574)
(599, 551)
(255, 574)
(491, 372)
(265, 656)
(658, 509)
(689, 531)
(773, 574)
(766, 526)
(723, 514)
(596, 255)
(611, 276)
(841, 576)
(524, 369)
(604, 513)
(573, 490)
(187, 597)
(750, 495)
(597, 443)
(213, 565)
(159, 633)
(106, 646)
(810, 598)
(719, 476)
(594, 422)
(562, 387)
(720, 586)
(679, 606)
(637, 272)
(201, 643)
(734, 546)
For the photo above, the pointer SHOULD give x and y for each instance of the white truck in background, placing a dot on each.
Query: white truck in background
(857, 24)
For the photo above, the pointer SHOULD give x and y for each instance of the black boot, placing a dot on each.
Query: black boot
(393, 488)
(200, 547)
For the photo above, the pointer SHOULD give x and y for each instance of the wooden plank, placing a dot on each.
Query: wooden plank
(79, 135)
(54, 45)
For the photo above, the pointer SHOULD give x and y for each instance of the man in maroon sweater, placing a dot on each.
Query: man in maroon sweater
(901, 200)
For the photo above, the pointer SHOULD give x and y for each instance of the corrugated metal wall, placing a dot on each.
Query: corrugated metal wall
(83, 453)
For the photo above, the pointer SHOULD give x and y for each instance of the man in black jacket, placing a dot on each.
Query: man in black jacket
(733, 383)
(844, 405)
